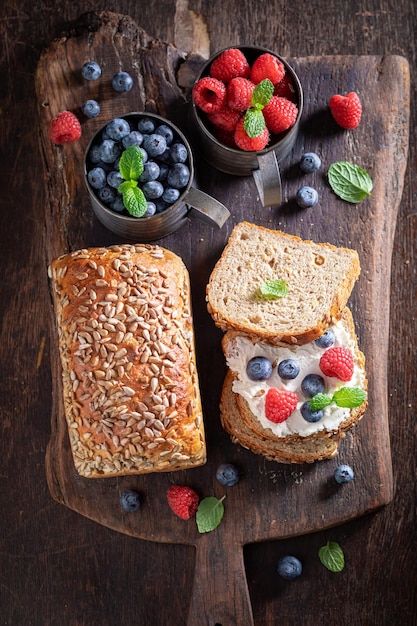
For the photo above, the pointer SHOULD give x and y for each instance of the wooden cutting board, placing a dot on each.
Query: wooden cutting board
(271, 501)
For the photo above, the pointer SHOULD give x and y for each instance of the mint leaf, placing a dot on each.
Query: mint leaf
(349, 397)
(134, 199)
(331, 556)
(131, 163)
(262, 94)
(254, 123)
(349, 181)
(209, 514)
(273, 289)
(319, 401)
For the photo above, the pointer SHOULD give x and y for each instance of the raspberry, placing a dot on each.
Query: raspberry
(279, 404)
(280, 114)
(64, 128)
(209, 94)
(267, 66)
(346, 110)
(225, 137)
(183, 501)
(285, 89)
(224, 118)
(244, 142)
(230, 64)
(239, 93)
(337, 362)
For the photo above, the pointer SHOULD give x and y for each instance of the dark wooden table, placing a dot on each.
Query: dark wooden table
(58, 568)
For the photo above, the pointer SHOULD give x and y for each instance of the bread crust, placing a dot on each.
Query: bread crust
(265, 320)
(294, 441)
(126, 342)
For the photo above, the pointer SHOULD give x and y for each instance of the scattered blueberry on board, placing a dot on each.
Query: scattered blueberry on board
(307, 197)
(166, 170)
(227, 474)
(130, 500)
(344, 474)
(91, 70)
(122, 81)
(91, 108)
(310, 162)
(289, 567)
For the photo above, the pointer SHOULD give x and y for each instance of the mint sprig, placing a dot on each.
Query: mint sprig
(346, 397)
(332, 557)
(254, 122)
(209, 514)
(131, 167)
(272, 289)
(349, 181)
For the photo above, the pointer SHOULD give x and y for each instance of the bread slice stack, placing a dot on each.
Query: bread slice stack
(317, 280)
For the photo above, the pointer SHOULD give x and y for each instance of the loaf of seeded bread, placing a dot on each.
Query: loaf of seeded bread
(297, 440)
(319, 278)
(126, 344)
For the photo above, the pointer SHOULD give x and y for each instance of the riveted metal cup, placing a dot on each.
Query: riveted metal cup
(192, 203)
(262, 165)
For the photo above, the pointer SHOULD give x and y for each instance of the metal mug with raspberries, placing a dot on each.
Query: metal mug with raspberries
(139, 172)
(245, 114)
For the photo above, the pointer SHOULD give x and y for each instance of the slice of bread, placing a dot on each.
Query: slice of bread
(319, 277)
(295, 440)
(299, 451)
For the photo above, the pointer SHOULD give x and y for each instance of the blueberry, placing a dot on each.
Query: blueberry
(178, 153)
(154, 144)
(307, 197)
(309, 415)
(122, 81)
(153, 190)
(161, 205)
(312, 384)
(310, 162)
(170, 195)
(344, 474)
(144, 155)
(109, 151)
(150, 172)
(117, 204)
(134, 138)
(178, 176)
(91, 70)
(326, 340)
(117, 128)
(227, 474)
(289, 567)
(94, 154)
(97, 177)
(114, 179)
(91, 108)
(163, 171)
(150, 209)
(288, 369)
(130, 500)
(166, 132)
(259, 368)
(106, 194)
(146, 125)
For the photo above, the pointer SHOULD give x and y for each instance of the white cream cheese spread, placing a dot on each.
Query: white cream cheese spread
(307, 357)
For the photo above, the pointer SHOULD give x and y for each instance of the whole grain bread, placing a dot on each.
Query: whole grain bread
(244, 427)
(126, 344)
(319, 277)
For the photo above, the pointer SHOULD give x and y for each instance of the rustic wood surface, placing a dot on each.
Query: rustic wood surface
(59, 567)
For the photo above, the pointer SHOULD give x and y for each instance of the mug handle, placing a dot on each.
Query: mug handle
(205, 208)
(268, 179)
